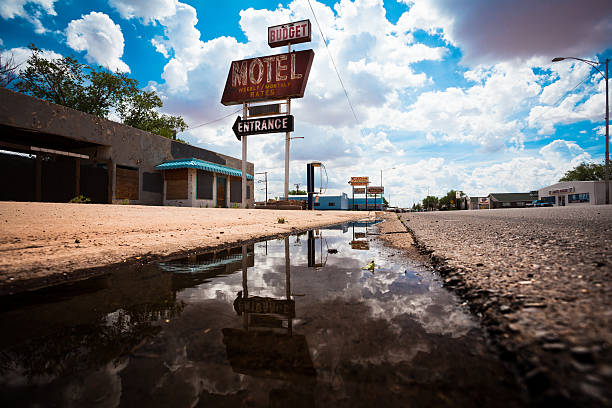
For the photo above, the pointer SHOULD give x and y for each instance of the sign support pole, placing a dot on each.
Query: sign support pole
(244, 161)
(287, 144)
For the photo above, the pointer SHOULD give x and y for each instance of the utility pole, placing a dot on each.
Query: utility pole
(607, 137)
(595, 64)
(265, 173)
(287, 143)
(244, 160)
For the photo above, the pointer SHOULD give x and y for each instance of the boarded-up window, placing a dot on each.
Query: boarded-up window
(152, 182)
(235, 190)
(205, 185)
(176, 184)
(126, 183)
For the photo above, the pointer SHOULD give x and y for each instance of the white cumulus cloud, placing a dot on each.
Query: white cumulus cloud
(20, 55)
(101, 39)
(16, 8)
(147, 10)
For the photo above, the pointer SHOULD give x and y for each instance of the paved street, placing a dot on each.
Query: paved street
(541, 280)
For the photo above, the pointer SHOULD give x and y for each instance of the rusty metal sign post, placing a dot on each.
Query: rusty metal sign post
(273, 77)
(360, 181)
(377, 190)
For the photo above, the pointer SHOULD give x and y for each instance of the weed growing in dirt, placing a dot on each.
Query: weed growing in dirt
(80, 200)
(280, 220)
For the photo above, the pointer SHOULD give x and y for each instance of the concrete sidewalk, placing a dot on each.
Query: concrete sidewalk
(541, 279)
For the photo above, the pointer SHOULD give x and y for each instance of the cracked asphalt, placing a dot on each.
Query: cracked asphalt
(541, 281)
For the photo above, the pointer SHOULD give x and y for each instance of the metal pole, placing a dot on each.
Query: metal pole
(245, 287)
(287, 144)
(607, 138)
(381, 206)
(266, 175)
(244, 160)
(287, 269)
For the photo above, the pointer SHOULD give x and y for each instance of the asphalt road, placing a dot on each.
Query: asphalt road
(541, 279)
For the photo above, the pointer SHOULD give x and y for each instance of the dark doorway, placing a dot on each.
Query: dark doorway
(17, 177)
(94, 182)
(58, 179)
(221, 188)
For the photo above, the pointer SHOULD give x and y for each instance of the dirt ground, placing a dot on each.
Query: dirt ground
(47, 243)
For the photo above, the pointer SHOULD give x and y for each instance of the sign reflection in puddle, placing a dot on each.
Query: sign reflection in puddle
(295, 321)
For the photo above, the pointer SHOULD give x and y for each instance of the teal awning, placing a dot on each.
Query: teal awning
(201, 165)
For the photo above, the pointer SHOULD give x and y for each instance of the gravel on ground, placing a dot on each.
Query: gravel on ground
(541, 281)
(48, 243)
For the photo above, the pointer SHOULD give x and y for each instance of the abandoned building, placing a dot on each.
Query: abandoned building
(53, 153)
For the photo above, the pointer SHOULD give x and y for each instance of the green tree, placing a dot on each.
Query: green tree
(97, 91)
(297, 192)
(449, 201)
(585, 172)
(58, 81)
(430, 202)
(139, 110)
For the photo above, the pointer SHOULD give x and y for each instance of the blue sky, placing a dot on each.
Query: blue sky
(447, 95)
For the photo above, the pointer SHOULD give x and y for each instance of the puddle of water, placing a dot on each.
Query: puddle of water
(325, 318)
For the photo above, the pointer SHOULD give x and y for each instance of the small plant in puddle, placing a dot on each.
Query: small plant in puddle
(80, 200)
(280, 220)
(369, 267)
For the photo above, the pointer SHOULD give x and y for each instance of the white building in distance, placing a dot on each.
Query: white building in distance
(575, 193)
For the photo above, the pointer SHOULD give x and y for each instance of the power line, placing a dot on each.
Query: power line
(554, 105)
(572, 90)
(216, 120)
(333, 63)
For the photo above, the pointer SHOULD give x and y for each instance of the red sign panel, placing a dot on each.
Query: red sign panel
(376, 190)
(293, 33)
(278, 76)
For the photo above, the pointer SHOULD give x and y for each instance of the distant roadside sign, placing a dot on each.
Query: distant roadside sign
(457, 194)
(278, 124)
(376, 190)
(360, 190)
(359, 181)
(294, 33)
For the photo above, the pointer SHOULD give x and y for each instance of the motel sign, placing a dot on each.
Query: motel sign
(293, 33)
(278, 76)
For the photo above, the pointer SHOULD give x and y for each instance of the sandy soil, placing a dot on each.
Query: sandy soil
(44, 243)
